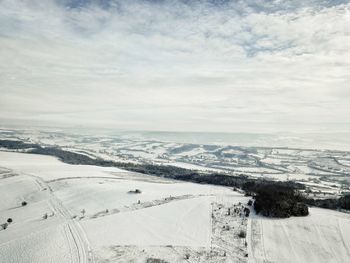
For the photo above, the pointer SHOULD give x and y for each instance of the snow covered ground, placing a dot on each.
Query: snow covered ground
(87, 213)
(49, 168)
(78, 213)
(323, 236)
(30, 237)
(155, 226)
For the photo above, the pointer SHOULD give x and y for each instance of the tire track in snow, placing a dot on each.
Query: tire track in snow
(262, 240)
(84, 177)
(342, 238)
(78, 235)
(256, 247)
(251, 258)
(81, 243)
(290, 242)
(65, 232)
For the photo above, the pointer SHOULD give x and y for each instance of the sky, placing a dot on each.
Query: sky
(210, 65)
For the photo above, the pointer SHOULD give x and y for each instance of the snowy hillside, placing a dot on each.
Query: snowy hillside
(93, 214)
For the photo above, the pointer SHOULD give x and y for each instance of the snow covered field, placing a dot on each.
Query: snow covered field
(323, 236)
(49, 168)
(77, 213)
(85, 212)
(156, 226)
(30, 238)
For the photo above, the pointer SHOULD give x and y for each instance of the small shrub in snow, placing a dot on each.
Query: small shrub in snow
(250, 202)
(24, 203)
(4, 226)
(136, 191)
(242, 234)
(9, 220)
(155, 260)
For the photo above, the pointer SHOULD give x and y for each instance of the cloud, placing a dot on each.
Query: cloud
(182, 65)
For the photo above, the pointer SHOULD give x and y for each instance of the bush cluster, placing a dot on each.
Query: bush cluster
(274, 200)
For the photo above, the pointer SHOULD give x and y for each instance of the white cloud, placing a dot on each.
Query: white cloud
(234, 66)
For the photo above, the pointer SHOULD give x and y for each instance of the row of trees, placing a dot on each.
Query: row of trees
(334, 203)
